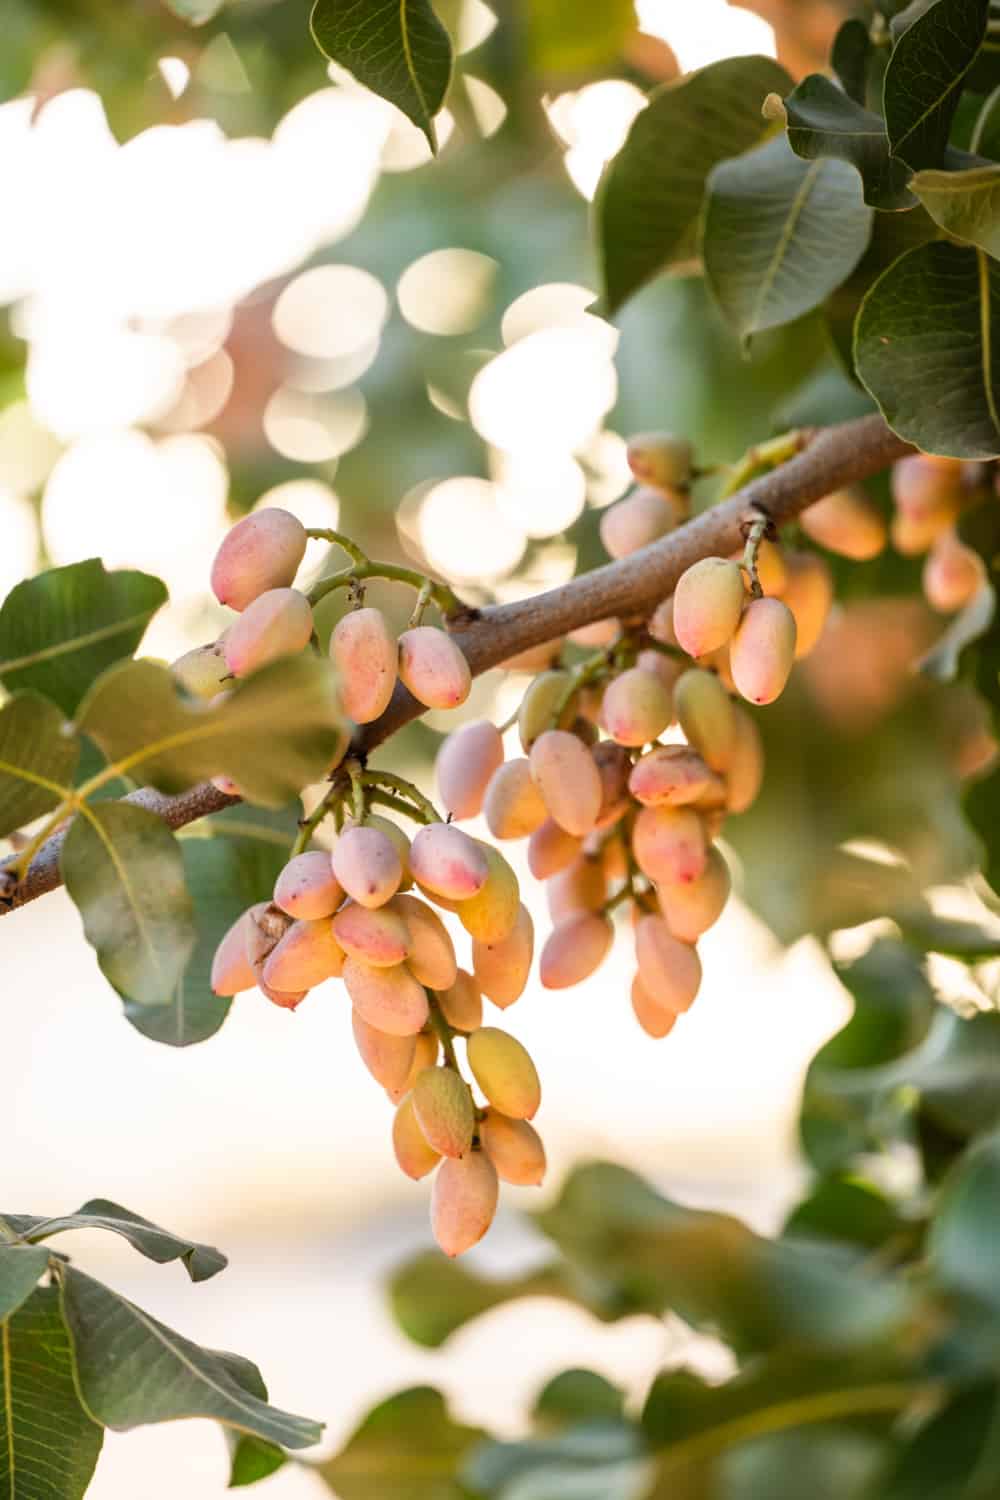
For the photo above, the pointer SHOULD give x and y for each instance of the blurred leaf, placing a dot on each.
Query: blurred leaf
(21, 1269)
(48, 1444)
(780, 234)
(113, 1341)
(943, 1460)
(60, 630)
(276, 732)
(956, 939)
(839, 1208)
(846, 1104)
(200, 1261)
(595, 1461)
(985, 139)
(432, 1297)
(578, 1396)
(834, 1462)
(123, 869)
(649, 201)
(253, 1459)
(927, 325)
(407, 1448)
(196, 12)
(685, 1421)
(566, 36)
(36, 760)
(396, 48)
(654, 1256)
(923, 79)
(823, 121)
(965, 204)
(942, 661)
(224, 876)
(962, 1244)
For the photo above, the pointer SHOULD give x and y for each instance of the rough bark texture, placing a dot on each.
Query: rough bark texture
(834, 457)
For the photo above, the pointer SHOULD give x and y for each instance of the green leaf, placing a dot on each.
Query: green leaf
(595, 1461)
(196, 12)
(407, 1448)
(685, 1420)
(432, 1297)
(985, 139)
(941, 1461)
(962, 1244)
(965, 204)
(62, 629)
(780, 234)
(37, 759)
(278, 731)
(200, 1261)
(253, 1459)
(578, 1396)
(969, 941)
(123, 869)
(224, 876)
(929, 324)
(941, 663)
(649, 201)
(49, 1446)
(132, 1370)
(839, 1208)
(892, 235)
(396, 48)
(849, 58)
(21, 1269)
(923, 82)
(569, 36)
(822, 121)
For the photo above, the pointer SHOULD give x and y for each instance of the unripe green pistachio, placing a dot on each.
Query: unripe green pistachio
(202, 672)
(660, 459)
(705, 713)
(537, 711)
(503, 1068)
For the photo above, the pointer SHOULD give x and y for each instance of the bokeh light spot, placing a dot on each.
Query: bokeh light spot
(447, 292)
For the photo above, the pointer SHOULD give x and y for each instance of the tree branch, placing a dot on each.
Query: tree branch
(833, 457)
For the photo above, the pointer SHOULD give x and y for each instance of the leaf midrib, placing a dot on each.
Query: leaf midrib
(788, 229)
(77, 643)
(126, 884)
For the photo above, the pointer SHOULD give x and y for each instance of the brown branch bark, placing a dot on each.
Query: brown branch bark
(835, 456)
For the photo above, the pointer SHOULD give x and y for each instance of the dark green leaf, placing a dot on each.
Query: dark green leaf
(650, 198)
(224, 876)
(123, 869)
(62, 629)
(969, 941)
(923, 81)
(780, 234)
(36, 760)
(253, 1459)
(595, 1461)
(941, 662)
(962, 1244)
(277, 731)
(838, 1208)
(578, 1396)
(200, 1261)
(48, 1444)
(985, 139)
(396, 48)
(942, 1460)
(929, 324)
(568, 36)
(892, 235)
(849, 57)
(407, 1448)
(822, 121)
(965, 204)
(833, 1462)
(132, 1369)
(21, 1269)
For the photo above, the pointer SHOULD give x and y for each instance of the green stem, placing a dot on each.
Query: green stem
(755, 536)
(445, 1033)
(403, 788)
(767, 455)
(337, 539)
(386, 799)
(22, 863)
(308, 826)
(445, 598)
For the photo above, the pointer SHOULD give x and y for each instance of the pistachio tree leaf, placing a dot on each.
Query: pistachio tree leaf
(965, 204)
(21, 1269)
(396, 48)
(597, 1460)
(122, 868)
(923, 81)
(195, 12)
(132, 1370)
(780, 234)
(962, 1245)
(49, 1445)
(940, 1459)
(407, 1448)
(200, 1261)
(277, 732)
(61, 629)
(929, 323)
(649, 201)
(37, 760)
(251, 1459)
(849, 58)
(822, 121)
(942, 661)
(225, 876)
